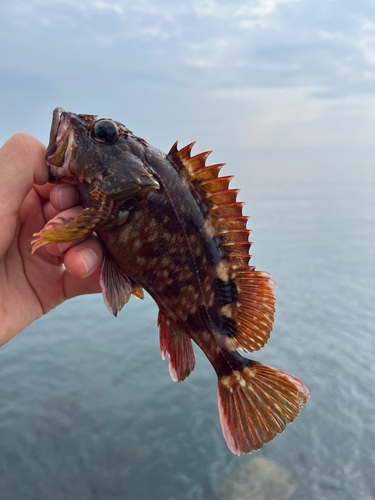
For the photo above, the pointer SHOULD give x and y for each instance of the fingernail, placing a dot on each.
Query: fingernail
(67, 197)
(89, 259)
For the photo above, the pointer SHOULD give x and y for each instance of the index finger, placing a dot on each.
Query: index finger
(22, 164)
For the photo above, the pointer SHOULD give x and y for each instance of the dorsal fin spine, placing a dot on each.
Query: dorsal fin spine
(224, 210)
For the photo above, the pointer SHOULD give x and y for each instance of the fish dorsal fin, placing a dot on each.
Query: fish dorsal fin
(223, 208)
(247, 297)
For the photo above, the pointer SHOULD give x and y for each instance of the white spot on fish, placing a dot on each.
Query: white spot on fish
(165, 262)
(209, 228)
(140, 260)
(227, 310)
(137, 244)
(152, 236)
(249, 372)
(222, 272)
(228, 382)
(153, 224)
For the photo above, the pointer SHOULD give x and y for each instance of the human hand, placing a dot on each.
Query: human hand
(32, 285)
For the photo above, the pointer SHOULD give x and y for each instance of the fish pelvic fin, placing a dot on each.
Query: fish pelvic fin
(256, 403)
(115, 284)
(178, 344)
(66, 230)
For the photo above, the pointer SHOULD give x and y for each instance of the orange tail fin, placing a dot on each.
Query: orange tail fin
(256, 404)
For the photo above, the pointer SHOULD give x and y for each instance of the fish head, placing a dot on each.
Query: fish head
(99, 153)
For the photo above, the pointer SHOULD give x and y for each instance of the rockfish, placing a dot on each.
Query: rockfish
(171, 225)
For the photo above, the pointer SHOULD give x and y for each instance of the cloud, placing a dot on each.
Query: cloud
(366, 45)
(193, 47)
(262, 7)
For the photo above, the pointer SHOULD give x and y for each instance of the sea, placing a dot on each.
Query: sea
(88, 410)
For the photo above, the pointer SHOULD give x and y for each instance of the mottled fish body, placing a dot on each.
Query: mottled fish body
(172, 226)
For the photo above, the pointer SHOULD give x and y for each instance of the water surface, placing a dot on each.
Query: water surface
(88, 410)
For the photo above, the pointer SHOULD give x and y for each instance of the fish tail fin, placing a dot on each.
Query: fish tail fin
(256, 403)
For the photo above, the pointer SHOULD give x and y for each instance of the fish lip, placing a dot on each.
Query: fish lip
(60, 148)
(52, 145)
(61, 138)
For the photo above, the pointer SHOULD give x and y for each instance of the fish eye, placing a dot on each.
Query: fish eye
(105, 131)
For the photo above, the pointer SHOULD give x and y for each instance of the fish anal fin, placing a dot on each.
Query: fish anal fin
(178, 344)
(115, 284)
(256, 403)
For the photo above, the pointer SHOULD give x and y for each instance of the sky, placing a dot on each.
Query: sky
(287, 86)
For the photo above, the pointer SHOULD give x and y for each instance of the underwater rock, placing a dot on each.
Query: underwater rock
(259, 479)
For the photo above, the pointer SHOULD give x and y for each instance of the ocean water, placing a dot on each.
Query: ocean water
(88, 410)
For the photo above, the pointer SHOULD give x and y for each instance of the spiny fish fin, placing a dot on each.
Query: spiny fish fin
(178, 344)
(231, 223)
(179, 157)
(137, 291)
(64, 231)
(256, 403)
(115, 284)
(248, 313)
(226, 210)
(233, 235)
(214, 185)
(221, 202)
(206, 173)
(220, 197)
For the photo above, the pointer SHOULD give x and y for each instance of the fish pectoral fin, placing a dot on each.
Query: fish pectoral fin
(256, 403)
(115, 284)
(178, 344)
(66, 230)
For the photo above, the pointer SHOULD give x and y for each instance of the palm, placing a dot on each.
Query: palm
(34, 284)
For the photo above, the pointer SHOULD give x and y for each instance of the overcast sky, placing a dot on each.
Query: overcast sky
(279, 83)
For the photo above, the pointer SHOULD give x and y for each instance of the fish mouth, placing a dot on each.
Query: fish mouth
(61, 148)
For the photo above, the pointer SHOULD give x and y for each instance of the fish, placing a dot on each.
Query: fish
(172, 226)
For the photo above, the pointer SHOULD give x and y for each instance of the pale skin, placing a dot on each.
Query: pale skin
(33, 284)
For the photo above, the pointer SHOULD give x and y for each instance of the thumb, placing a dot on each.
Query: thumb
(22, 164)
